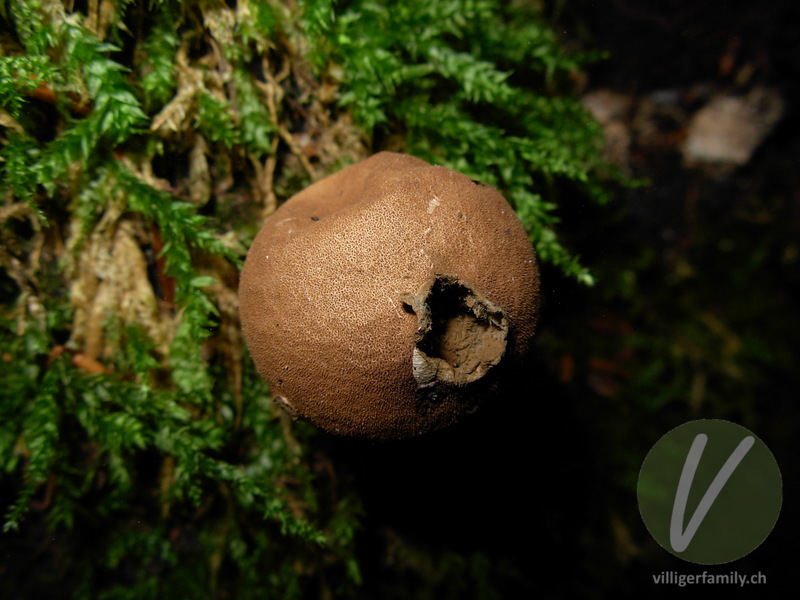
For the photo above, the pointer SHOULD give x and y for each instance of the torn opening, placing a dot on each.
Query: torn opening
(461, 333)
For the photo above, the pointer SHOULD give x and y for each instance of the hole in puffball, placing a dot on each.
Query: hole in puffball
(465, 338)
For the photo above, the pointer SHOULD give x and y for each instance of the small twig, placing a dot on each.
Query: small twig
(45, 93)
(270, 89)
(165, 282)
(48, 494)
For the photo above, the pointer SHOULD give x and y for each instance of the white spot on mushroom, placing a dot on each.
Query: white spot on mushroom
(395, 306)
(284, 403)
(433, 204)
(423, 368)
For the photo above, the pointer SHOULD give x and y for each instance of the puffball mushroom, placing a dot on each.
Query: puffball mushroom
(386, 300)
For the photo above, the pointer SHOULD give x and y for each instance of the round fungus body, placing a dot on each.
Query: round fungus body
(389, 299)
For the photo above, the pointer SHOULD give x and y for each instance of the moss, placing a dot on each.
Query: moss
(141, 144)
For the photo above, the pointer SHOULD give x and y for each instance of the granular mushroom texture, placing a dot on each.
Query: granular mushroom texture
(387, 300)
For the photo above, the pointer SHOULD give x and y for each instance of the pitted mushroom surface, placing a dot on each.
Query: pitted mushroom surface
(388, 299)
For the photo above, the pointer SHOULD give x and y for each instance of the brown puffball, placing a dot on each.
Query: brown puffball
(386, 300)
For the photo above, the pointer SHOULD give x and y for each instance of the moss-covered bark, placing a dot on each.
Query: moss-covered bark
(141, 145)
